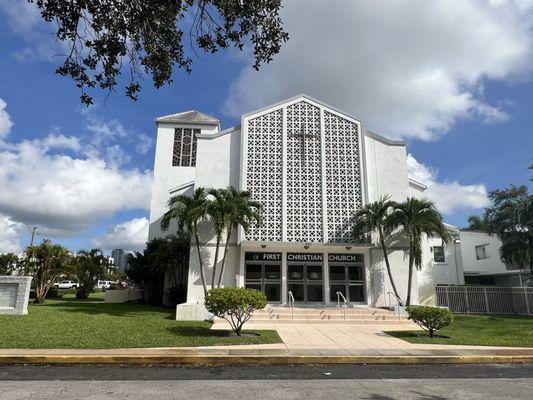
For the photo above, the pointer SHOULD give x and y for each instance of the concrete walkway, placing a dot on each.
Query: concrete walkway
(301, 344)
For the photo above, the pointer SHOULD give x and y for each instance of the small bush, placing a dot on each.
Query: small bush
(430, 319)
(54, 293)
(235, 305)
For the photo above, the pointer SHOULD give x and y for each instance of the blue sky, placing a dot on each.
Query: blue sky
(459, 90)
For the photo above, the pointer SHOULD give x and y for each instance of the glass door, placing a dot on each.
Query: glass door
(265, 277)
(306, 282)
(347, 278)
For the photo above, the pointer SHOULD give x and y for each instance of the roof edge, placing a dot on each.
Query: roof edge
(384, 139)
(215, 121)
(218, 134)
(182, 186)
(414, 182)
(305, 96)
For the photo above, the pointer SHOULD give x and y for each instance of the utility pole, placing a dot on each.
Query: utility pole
(32, 229)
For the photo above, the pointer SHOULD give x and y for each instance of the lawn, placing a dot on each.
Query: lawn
(94, 324)
(482, 330)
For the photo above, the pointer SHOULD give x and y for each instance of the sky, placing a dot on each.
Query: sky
(454, 78)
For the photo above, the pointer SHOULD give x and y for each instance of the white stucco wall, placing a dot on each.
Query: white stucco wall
(218, 160)
(386, 169)
(166, 176)
(434, 273)
(492, 264)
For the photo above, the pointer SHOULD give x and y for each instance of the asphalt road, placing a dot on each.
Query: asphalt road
(428, 382)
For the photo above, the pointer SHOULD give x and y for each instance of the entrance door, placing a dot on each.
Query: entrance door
(306, 282)
(263, 273)
(347, 277)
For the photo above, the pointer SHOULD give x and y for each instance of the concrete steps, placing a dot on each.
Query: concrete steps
(278, 315)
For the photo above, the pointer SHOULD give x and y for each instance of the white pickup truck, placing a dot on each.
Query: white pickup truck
(67, 285)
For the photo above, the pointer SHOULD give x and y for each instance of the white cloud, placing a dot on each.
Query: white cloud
(10, 235)
(24, 20)
(449, 197)
(130, 236)
(408, 68)
(104, 133)
(144, 143)
(64, 193)
(65, 185)
(5, 120)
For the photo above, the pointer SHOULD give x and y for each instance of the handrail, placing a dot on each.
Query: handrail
(339, 295)
(398, 301)
(291, 304)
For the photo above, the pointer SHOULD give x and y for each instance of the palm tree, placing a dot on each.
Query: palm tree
(90, 265)
(189, 212)
(218, 212)
(417, 217)
(241, 211)
(374, 217)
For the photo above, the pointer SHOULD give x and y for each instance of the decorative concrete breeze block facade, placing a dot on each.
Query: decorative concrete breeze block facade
(14, 294)
(311, 166)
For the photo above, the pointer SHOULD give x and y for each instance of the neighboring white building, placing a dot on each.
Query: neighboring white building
(473, 259)
(311, 166)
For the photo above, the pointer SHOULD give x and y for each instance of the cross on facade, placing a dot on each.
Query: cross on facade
(303, 134)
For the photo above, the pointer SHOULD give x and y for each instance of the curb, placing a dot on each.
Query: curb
(233, 360)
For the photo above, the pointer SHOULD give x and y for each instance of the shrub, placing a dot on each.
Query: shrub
(430, 319)
(235, 305)
(176, 295)
(54, 293)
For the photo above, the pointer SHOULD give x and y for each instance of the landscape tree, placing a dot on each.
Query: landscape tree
(104, 37)
(235, 305)
(46, 263)
(89, 266)
(8, 263)
(511, 218)
(374, 217)
(189, 212)
(477, 223)
(161, 257)
(416, 218)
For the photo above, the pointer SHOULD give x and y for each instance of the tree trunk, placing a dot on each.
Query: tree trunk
(197, 238)
(224, 257)
(410, 280)
(213, 276)
(387, 263)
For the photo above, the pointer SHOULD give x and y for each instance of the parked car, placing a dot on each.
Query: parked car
(67, 285)
(104, 284)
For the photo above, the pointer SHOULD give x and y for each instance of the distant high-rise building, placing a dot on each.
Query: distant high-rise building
(120, 259)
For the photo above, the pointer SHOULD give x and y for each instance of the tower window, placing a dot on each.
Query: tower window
(185, 143)
(438, 254)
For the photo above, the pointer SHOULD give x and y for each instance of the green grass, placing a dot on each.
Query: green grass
(72, 324)
(95, 296)
(480, 330)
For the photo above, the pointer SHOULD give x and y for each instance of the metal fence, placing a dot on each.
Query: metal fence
(486, 299)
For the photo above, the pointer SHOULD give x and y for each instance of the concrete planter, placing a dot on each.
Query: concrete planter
(192, 312)
(14, 294)
(122, 295)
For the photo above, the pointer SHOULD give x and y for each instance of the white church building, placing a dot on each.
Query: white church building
(311, 166)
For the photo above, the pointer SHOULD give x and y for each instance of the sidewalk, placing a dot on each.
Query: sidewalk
(302, 344)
